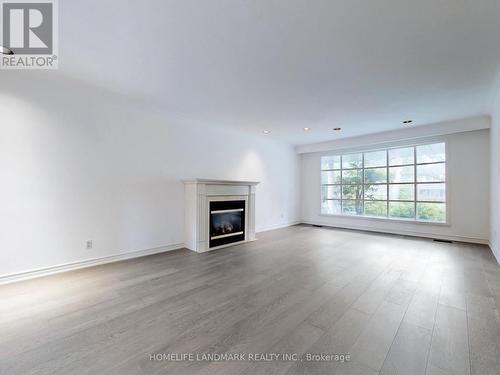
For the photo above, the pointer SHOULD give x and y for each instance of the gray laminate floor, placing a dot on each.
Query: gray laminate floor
(395, 305)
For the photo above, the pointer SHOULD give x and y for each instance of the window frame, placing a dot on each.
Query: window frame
(415, 201)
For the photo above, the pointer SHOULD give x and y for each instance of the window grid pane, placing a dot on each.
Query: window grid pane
(376, 175)
(430, 153)
(405, 183)
(401, 156)
(402, 192)
(435, 172)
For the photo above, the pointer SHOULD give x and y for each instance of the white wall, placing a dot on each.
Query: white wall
(80, 163)
(468, 176)
(495, 178)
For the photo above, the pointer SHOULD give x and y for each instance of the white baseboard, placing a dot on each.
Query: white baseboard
(277, 226)
(474, 240)
(31, 274)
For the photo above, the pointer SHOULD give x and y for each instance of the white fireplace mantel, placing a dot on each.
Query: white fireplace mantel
(199, 193)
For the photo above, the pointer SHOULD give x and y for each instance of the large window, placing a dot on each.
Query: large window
(405, 183)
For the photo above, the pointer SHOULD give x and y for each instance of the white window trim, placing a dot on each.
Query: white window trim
(388, 146)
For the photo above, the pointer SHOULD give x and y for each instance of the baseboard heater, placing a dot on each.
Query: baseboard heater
(444, 241)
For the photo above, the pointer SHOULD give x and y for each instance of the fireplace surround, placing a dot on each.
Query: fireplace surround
(218, 213)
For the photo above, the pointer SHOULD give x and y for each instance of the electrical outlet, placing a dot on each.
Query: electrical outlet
(88, 245)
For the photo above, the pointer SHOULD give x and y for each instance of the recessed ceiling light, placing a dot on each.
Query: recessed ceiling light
(407, 122)
(337, 129)
(307, 129)
(6, 51)
(266, 131)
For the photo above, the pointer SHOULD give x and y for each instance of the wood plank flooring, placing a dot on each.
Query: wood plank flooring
(396, 305)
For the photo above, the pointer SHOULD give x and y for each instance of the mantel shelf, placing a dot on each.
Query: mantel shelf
(219, 182)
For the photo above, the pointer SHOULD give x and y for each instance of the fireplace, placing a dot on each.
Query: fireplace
(227, 222)
(219, 213)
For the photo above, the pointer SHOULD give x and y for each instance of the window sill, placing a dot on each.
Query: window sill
(383, 219)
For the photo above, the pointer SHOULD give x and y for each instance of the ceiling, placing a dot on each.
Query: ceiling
(282, 65)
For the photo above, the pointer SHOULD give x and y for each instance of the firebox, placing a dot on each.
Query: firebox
(227, 222)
